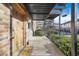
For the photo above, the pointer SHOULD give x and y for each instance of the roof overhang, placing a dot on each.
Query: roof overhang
(39, 11)
(20, 12)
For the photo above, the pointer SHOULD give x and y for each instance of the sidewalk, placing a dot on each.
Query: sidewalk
(42, 46)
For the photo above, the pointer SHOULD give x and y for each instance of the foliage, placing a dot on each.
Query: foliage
(38, 32)
(78, 47)
(62, 42)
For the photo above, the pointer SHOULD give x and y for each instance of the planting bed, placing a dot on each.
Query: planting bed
(63, 43)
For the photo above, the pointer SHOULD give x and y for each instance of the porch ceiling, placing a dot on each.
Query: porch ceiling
(40, 11)
(20, 12)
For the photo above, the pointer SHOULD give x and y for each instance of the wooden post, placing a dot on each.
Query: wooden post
(23, 34)
(53, 27)
(59, 24)
(10, 30)
(73, 31)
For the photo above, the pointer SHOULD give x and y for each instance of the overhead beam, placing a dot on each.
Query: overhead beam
(40, 13)
(42, 7)
(39, 19)
(61, 4)
(52, 16)
(57, 9)
(41, 4)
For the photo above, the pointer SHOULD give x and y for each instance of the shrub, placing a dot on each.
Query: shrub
(62, 42)
(38, 32)
(54, 37)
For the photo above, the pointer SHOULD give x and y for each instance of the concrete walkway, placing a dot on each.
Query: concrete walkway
(42, 46)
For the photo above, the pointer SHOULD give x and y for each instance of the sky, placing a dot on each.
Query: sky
(67, 11)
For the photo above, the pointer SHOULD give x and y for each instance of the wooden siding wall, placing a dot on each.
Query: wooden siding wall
(19, 29)
(4, 30)
(17, 35)
(19, 22)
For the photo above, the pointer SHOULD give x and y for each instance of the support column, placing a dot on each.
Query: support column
(59, 24)
(44, 27)
(23, 34)
(32, 25)
(53, 26)
(73, 31)
(10, 30)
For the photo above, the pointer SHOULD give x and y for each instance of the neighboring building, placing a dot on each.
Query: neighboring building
(67, 26)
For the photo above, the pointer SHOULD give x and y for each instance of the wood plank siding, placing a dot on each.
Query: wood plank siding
(20, 17)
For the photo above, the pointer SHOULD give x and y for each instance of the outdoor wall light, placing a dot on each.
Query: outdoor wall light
(64, 15)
